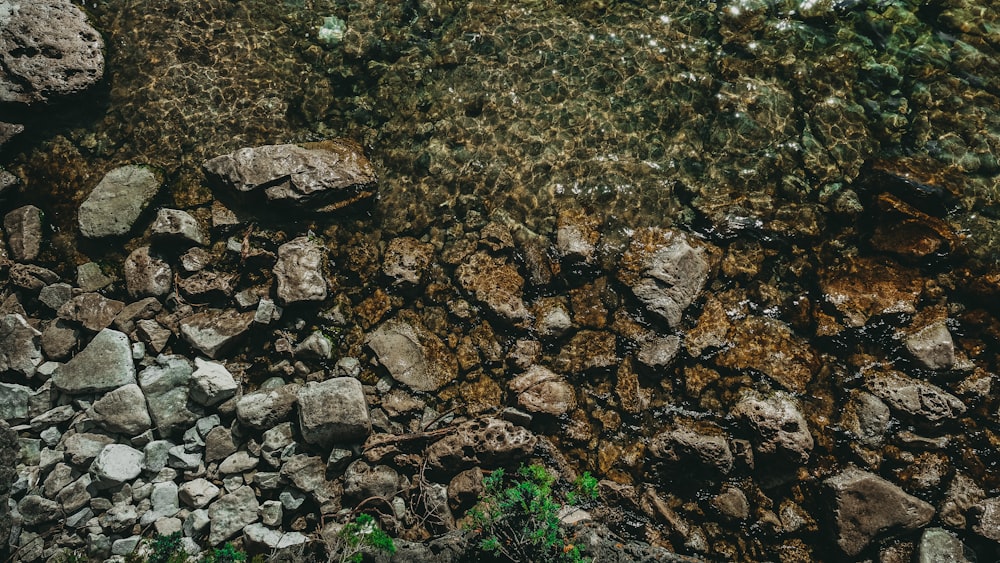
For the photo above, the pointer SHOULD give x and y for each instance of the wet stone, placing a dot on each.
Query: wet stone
(732, 503)
(541, 390)
(496, 283)
(588, 350)
(214, 332)
(406, 260)
(178, 226)
(932, 346)
(116, 203)
(299, 271)
(863, 288)
(211, 383)
(777, 423)
(914, 397)
(963, 493)
(106, 363)
(577, 235)
(552, 317)
(92, 310)
(146, 274)
(867, 506)
(866, 417)
(24, 232)
(48, 50)
(659, 352)
(412, 355)
(486, 442)
(687, 440)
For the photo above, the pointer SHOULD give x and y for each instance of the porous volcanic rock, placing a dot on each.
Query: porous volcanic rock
(482, 442)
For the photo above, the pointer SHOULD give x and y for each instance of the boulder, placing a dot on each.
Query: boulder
(116, 464)
(939, 545)
(215, 331)
(166, 386)
(665, 271)
(867, 506)
(333, 411)
(106, 363)
(24, 231)
(47, 49)
(299, 271)
(413, 355)
(211, 383)
(174, 225)
(122, 411)
(323, 176)
(119, 198)
(231, 513)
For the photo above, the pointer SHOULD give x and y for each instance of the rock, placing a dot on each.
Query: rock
(214, 332)
(413, 355)
(861, 288)
(122, 411)
(82, 448)
(552, 318)
(238, 462)
(577, 235)
(687, 440)
(90, 277)
(7, 132)
(299, 271)
(197, 493)
(232, 513)
(106, 363)
(406, 260)
(164, 502)
(19, 345)
(142, 309)
(485, 442)
(147, 274)
(207, 285)
(323, 176)
(211, 383)
(316, 346)
(267, 409)
(119, 198)
(938, 545)
(56, 295)
(14, 402)
(37, 510)
(116, 464)
(308, 474)
(913, 396)
(664, 271)
(867, 506)
(495, 283)
(76, 495)
(47, 49)
(8, 474)
(932, 346)
(92, 310)
(60, 340)
(333, 411)
(24, 230)
(465, 489)
(588, 350)
(219, 443)
(541, 390)
(153, 334)
(266, 540)
(962, 494)
(165, 385)
(659, 352)
(866, 417)
(362, 481)
(174, 225)
(778, 424)
(732, 503)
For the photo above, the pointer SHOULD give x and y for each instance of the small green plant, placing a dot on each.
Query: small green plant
(584, 489)
(521, 522)
(225, 554)
(168, 549)
(359, 537)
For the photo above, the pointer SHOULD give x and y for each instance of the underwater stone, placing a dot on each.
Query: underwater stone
(299, 271)
(119, 198)
(413, 355)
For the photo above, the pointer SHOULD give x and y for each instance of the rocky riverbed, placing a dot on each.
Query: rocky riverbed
(259, 294)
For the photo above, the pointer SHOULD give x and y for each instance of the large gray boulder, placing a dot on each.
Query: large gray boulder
(232, 513)
(106, 363)
(333, 411)
(119, 198)
(47, 49)
(665, 271)
(323, 176)
(867, 506)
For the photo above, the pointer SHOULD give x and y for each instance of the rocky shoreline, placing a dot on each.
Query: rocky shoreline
(262, 364)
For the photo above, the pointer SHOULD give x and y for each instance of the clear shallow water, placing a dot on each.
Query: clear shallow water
(767, 127)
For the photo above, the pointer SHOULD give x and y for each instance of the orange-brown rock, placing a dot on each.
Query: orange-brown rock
(865, 287)
(908, 232)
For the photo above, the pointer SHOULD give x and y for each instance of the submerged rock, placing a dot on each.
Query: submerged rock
(119, 198)
(778, 423)
(496, 283)
(48, 49)
(214, 332)
(413, 355)
(299, 271)
(542, 390)
(322, 176)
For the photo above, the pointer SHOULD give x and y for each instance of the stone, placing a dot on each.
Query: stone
(333, 411)
(174, 225)
(483, 442)
(267, 312)
(465, 489)
(915, 397)
(196, 259)
(116, 464)
(265, 409)
(238, 462)
(198, 493)
(552, 318)
(413, 355)
(35, 510)
(577, 235)
(308, 474)
(92, 310)
(76, 495)
(55, 295)
(219, 443)
(659, 352)
(8, 474)
(116, 202)
(122, 411)
(48, 50)
(732, 503)
(207, 285)
(90, 277)
(932, 346)
(271, 513)
(866, 417)
(665, 271)
(163, 502)
(232, 513)
(132, 313)
(19, 345)
(406, 260)
(299, 271)
(861, 288)
(24, 230)
(541, 390)
(106, 363)
(322, 176)
(963, 493)
(685, 441)
(179, 458)
(267, 540)
(166, 386)
(778, 424)
(83, 447)
(938, 545)
(211, 383)
(315, 346)
(146, 274)
(496, 283)
(153, 334)
(214, 332)
(867, 506)
(362, 481)
(14, 402)
(59, 340)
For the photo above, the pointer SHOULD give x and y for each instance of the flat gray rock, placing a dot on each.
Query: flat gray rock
(932, 346)
(119, 198)
(867, 506)
(14, 401)
(215, 331)
(266, 409)
(333, 411)
(174, 225)
(147, 274)
(122, 411)
(231, 513)
(106, 363)
(20, 347)
(778, 424)
(915, 397)
(211, 383)
(165, 385)
(116, 464)
(299, 271)
(47, 49)
(413, 355)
